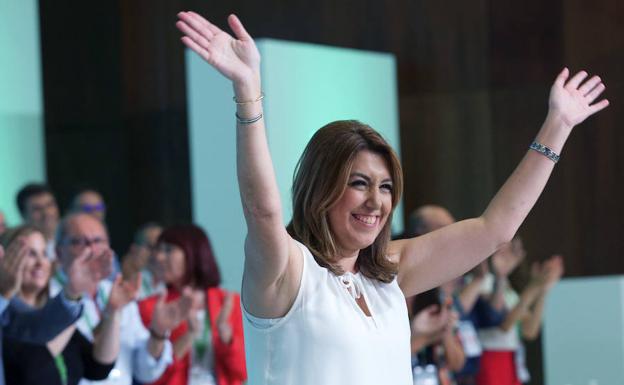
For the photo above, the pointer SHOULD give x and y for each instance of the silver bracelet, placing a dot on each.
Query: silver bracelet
(547, 152)
(248, 121)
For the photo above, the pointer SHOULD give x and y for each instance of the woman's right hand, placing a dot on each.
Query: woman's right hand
(237, 58)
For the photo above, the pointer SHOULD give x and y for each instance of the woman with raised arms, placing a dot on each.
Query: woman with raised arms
(324, 299)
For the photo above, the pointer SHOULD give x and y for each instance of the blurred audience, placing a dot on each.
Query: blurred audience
(19, 322)
(69, 356)
(144, 354)
(437, 350)
(208, 344)
(186, 330)
(502, 362)
(141, 259)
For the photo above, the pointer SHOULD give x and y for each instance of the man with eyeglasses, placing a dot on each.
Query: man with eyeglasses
(37, 206)
(144, 354)
(89, 201)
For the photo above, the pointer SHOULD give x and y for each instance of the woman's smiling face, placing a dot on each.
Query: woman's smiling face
(360, 214)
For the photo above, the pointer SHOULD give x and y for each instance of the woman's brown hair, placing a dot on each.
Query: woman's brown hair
(11, 236)
(321, 177)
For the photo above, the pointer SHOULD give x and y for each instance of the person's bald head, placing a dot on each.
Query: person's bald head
(428, 218)
(78, 231)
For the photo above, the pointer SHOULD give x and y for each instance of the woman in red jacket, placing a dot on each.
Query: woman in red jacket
(208, 346)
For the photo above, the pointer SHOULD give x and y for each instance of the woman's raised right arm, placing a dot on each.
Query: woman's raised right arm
(273, 263)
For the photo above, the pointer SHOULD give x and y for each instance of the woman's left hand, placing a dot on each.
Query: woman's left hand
(571, 99)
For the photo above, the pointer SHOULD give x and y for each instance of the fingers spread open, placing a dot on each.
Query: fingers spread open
(576, 80)
(562, 77)
(599, 106)
(589, 85)
(594, 93)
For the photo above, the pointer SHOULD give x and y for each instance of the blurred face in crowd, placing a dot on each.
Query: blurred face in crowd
(91, 202)
(43, 213)
(172, 263)
(82, 231)
(38, 266)
(3, 225)
(150, 246)
(432, 217)
(150, 238)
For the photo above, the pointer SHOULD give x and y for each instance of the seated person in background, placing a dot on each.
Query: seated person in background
(144, 354)
(502, 360)
(89, 201)
(21, 323)
(208, 345)
(141, 259)
(435, 355)
(37, 206)
(68, 357)
(443, 349)
(475, 312)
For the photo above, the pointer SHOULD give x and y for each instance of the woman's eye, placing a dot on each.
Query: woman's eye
(386, 187)
(357, 183)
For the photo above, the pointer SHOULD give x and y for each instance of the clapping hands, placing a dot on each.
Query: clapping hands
(548, 273)
(87, 270)
(124, 291)
(508, 257)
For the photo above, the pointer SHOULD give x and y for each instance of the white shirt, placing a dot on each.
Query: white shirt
(325, 338)
(134, 359)
(494, 338)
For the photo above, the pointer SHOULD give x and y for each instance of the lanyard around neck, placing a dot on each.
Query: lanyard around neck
(61, 367)
(201, 344)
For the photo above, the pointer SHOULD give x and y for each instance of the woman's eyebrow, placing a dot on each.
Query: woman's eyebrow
(364, 176)
(368, 179)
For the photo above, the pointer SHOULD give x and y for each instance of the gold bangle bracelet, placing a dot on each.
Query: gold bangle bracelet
(238, 102)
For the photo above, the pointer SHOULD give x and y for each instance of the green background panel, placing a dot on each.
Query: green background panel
(21, 113)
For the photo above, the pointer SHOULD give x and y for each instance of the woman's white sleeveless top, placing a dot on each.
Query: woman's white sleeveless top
(326, 339)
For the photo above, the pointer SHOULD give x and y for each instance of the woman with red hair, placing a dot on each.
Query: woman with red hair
(208, 346)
